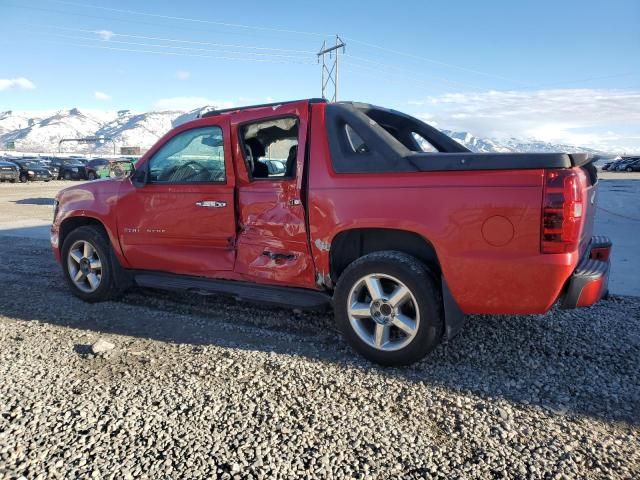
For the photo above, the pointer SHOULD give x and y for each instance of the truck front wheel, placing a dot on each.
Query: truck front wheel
(88, 265)
(388, 306)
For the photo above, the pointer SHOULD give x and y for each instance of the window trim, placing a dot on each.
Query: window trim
(147, 165)
(243, 151)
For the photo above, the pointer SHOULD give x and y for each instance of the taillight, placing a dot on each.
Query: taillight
(562, 211)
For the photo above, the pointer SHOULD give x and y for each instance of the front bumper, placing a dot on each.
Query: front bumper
(590, 280)
(39, 177)
(79, 175)
(9, 175)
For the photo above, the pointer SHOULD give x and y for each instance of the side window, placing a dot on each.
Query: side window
(423, 143)
(355, 141)
(271, 148)
(192, 156)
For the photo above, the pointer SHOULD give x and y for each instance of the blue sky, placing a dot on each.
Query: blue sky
(556, 70)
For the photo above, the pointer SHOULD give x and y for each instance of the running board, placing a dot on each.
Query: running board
(263, 294)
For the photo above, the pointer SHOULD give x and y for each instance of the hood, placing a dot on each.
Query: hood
(93, 189)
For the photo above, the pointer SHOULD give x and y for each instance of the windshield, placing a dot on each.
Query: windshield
(29, 163)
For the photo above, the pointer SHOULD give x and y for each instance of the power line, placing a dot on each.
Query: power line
(291, 31)
(404, 71)
(175, 40)
(175, 47)
(137, 22)
(590, 79)
(396, 79)
(281, 30)
(431, 60)
(178, 54)
(186, 19)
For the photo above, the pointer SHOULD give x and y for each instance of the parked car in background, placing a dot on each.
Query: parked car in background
(32, 170)
(9, 171)
(608, 165)
(69, 168)
(54, 169)
(396, 225)
(92, 166)
(633, 166)
(116, 168)
(621, 165)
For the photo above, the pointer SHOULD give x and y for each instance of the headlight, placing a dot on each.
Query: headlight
(30, 172)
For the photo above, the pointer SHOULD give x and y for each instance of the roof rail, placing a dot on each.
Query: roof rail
(213, 113)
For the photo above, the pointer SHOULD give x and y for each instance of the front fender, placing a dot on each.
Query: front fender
(87, 204)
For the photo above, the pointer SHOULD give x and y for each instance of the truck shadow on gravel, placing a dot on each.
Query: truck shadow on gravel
(577, 362)
(34, 201)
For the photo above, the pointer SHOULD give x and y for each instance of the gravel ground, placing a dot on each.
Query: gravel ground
(210, 388)
(201, 387)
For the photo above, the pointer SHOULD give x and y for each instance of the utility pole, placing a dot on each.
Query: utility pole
(330, 75)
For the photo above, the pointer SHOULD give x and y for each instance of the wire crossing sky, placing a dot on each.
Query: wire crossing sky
(559, 71)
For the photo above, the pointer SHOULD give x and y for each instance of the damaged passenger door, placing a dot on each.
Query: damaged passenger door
(269, 152)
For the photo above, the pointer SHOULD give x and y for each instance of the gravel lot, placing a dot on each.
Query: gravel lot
(204, 387)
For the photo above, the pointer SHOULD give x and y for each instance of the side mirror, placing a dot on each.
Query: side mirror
(138, 177)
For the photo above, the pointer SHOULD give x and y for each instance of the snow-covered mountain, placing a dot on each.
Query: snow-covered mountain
(41, 131)
(488, 145)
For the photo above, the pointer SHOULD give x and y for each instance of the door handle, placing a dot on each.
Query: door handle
(279, 256)
(211, 204)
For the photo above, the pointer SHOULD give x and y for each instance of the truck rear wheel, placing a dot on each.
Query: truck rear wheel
(388, 306)
(88, 265)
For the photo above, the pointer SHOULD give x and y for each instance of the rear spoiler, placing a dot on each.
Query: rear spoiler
(581, 159)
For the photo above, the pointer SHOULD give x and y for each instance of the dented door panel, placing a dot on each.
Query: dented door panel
(272, 244)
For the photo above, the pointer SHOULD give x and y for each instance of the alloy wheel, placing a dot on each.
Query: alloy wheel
(383, 312)
(85, 266)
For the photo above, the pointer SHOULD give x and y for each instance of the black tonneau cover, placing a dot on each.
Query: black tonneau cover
(392, 147)
(494, 161)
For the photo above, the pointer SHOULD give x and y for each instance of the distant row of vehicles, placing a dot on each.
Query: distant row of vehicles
(47, 168)
(624, 164)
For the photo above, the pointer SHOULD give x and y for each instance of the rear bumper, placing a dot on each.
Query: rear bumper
(589, 281)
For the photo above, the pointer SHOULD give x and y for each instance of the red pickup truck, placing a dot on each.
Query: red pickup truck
(308, 203)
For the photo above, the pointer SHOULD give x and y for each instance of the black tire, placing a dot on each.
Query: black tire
(91, 176)
(23, 178)
(13, 180)
(67, 175)
(108, 288)
(47, 180)
(423, 286)
(629, 169)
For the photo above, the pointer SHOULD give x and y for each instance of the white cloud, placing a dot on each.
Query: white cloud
(183, 75)
(600, 118)
(20, 82)
(105, 34)
(190, 103)
(102, 96)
